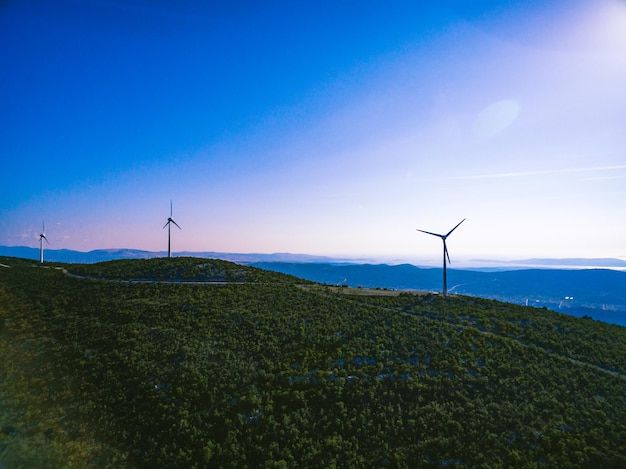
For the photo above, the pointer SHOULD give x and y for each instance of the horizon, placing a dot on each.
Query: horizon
(302, 257)
(333, 130)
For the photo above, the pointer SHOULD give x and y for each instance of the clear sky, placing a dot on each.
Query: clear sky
(333, 128)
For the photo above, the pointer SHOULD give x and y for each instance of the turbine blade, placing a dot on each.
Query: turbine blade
(44, 237)
(165, 226)
(170, 209)
(434, 234)
(455, 227)
(445, 248)
(176, 224)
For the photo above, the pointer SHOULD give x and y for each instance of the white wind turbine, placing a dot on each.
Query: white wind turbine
(42, 236)
(170, 220)
(445, 254)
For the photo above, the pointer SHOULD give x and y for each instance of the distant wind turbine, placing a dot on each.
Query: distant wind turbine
(42, 236)
(170, 220)
(445, 254)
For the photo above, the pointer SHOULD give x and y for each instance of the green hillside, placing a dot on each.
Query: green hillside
(189, 362)
(180, 269)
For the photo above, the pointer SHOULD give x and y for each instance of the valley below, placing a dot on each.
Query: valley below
(596, 293)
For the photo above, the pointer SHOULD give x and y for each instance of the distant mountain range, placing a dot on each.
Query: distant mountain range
(101, 255)
(596, 292)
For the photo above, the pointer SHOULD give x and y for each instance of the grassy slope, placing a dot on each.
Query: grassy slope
(265, 372)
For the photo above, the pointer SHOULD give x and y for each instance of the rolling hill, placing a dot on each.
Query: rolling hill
(577, 287)
(598, 293)
(189, 362)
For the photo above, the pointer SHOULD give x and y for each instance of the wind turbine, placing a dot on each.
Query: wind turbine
(445, 254)
(42, 236)
(170, 220)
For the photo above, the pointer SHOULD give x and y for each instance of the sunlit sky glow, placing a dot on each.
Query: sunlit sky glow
(331, 128)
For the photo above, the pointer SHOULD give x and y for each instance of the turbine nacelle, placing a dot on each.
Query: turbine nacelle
(170, 220)
(446, 254)
(168, 225)
(43, 231)
(443, 238)
(42, 236)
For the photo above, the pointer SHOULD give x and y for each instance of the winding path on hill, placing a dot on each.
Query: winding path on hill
(147, 281)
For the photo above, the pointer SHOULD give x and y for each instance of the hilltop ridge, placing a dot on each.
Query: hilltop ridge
(182, 269)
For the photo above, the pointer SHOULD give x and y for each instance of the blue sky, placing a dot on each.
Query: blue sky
(332, 128)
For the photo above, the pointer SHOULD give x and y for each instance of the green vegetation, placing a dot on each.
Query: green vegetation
(183, 269)
(264, 370)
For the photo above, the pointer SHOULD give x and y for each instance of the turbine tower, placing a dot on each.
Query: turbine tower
(42, 236)
(170, 220)
(445, 254)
